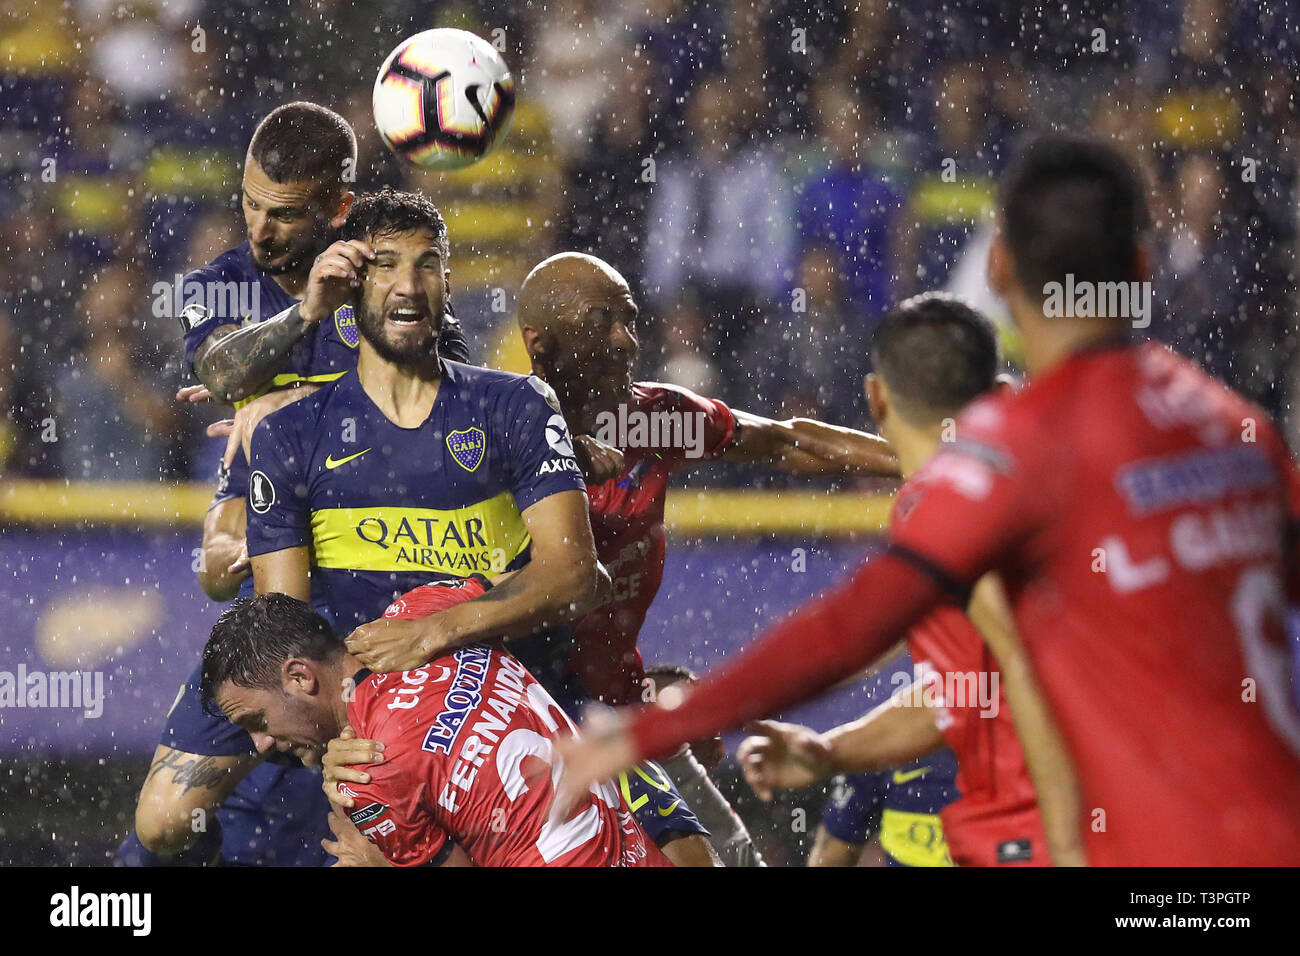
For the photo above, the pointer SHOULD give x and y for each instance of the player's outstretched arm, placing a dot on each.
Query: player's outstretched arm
(562, 581)
(828, 638)
(803, 446)
(223, 561)
(783, 756)
(1056, 782)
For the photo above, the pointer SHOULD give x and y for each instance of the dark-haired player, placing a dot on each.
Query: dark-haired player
(932, 355)
(1142, 516)
(469, 738)
(242, 337)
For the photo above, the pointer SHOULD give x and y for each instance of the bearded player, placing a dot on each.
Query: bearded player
(1142, 516)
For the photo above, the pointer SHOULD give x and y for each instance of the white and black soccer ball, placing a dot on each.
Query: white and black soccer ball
(443, 99)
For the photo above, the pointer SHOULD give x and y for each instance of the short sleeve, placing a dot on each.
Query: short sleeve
(540, 448)
(279, 515)
(232, 482)
(406, 833)
(712, 428)
(205, 305)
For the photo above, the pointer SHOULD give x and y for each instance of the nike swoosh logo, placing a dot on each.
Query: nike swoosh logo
(664, 813)
(903, 777)
(332, 462)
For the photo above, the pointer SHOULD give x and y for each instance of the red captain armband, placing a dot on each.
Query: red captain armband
(438, 596)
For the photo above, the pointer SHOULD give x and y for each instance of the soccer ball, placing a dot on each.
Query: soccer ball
(443, 99)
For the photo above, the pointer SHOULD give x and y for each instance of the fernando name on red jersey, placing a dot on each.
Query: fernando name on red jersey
(468, 745)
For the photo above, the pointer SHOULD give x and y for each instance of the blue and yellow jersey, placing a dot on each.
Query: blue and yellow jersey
(900, 806)
(384, 508)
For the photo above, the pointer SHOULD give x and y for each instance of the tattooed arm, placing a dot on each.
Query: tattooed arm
(235, 362)
(178, 785)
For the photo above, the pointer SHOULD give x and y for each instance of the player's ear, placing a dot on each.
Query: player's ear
(446, 282)
(1142, 263)
(877, 393)
(297, 674)
(999, 267)
(534, 341)
(342, 209)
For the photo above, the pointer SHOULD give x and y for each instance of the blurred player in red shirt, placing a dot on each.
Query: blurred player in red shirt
(932, 356)
(468, 738)
(1142, 516)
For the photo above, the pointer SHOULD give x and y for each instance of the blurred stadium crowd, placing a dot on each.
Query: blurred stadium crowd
(769, 174)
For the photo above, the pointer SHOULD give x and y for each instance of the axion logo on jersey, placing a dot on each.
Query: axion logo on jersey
(261, 493)
(557, 435)
(462, 699)
(467, 446)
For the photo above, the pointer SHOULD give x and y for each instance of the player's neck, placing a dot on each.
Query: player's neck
(294, 283)
(1050, 341)
(404, 393)
(914, 446)
(342, 677)
(580, 406)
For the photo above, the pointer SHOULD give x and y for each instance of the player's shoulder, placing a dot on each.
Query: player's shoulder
(493, 385)
(664, 396)
(308, 413)
(232, 265)
(389, 706)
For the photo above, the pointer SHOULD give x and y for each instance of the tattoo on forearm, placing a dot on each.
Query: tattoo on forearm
(238, 363)
(196, 773)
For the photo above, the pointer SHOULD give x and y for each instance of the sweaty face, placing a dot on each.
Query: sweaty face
(286, 222)
(596, 343)
(275, 719)
(403, 296)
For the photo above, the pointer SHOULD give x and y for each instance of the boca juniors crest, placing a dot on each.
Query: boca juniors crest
(345, 321)
(467, 446)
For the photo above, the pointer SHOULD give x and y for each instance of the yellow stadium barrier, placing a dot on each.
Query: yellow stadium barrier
(690, 512)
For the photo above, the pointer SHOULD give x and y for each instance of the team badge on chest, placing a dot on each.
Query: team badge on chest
(467, 446)
(345, 321)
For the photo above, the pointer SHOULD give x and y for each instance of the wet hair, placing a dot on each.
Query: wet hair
(255, 636)
(390, 212)
(936, 354)
(1072, 205)
(303, 141)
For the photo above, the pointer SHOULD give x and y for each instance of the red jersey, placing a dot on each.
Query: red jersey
(627, 519)
(468, 747)
(995, 820)
(1140, 514)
